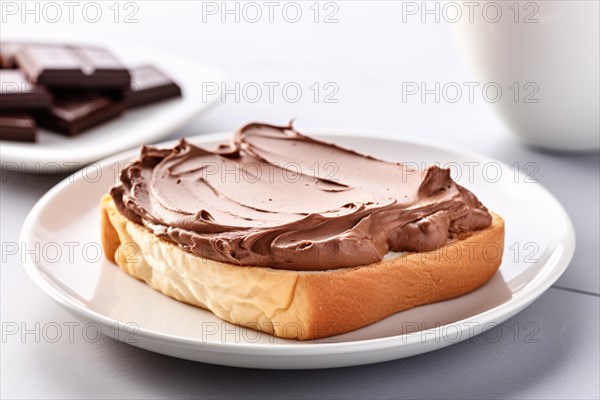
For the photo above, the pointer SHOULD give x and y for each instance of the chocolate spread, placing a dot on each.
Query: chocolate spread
(280, 199)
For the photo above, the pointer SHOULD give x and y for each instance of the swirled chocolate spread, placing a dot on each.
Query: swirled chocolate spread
(280, 199)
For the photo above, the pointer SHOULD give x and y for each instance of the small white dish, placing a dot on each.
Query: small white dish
(55, 153)
(540, 242)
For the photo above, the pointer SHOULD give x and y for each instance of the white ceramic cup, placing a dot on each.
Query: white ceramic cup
(545, 57)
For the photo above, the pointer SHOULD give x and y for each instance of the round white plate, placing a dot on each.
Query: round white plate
(539, 245)
(55, 153)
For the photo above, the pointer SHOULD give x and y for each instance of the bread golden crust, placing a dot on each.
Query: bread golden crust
(303, 304)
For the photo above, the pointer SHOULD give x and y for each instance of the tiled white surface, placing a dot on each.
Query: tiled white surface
(368, 54)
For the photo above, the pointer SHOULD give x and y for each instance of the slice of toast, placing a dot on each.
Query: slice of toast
(303, 304)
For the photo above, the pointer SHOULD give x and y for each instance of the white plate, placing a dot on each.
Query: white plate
(58, 153)
(98, 292)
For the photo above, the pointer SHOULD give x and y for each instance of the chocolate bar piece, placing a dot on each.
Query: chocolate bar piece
(59, 66)
(75, 113)
(16, 93)
(17, 126)
(149, 85)
(7, 54)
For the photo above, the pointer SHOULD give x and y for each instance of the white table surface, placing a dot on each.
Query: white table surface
(368, 54)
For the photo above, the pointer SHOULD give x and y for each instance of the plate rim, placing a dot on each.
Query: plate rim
(544, 278)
